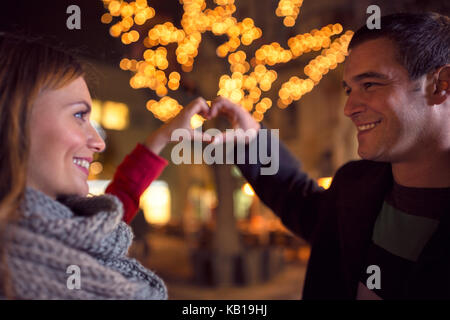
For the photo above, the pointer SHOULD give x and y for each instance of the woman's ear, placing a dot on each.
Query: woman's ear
(441, 86)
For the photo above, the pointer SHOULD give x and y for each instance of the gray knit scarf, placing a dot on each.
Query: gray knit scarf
(87, 232)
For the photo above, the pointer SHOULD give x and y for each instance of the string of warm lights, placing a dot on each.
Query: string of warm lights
(164, 109)
(329, 58)
(314, 40)
(289, 9)
(295, 88)
(249, 79)
(272, 54)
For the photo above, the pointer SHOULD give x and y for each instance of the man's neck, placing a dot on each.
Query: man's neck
(430, 173)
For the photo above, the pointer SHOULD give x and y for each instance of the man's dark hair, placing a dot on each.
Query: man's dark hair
(422, 40)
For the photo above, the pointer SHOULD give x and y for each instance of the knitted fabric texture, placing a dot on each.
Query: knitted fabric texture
(87, 232)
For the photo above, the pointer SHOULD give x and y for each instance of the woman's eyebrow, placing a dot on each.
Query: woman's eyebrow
(81, 102)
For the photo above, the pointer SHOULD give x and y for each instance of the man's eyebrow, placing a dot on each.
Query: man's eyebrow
(81, 102)
(370, 74)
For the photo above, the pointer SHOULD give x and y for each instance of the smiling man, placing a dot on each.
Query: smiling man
(382, 230)
(398, 99)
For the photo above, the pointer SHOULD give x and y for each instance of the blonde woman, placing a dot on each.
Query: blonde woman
(47, 222)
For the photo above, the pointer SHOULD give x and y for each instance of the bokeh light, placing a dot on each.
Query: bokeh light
(289, 9)
(250, 75)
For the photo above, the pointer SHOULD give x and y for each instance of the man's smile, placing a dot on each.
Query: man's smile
(367, 126)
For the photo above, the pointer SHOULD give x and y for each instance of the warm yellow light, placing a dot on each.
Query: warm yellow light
(114, 8)
(155, 202)
(115, 115)
(106, 18)
(244, 89)
(175, 75)
(186, 68)
(173, 84)
(96, 111)
(289, 21)
(288, 9)
(325, 182)
(96, 168)
(134, 35)
(281, 104)
(197, 121)
(248, 190)
(115, 30)
(149, 104)
(258, 116)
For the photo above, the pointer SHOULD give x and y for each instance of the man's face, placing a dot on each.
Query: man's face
(388, 109)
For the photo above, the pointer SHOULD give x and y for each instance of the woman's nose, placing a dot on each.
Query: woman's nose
(95, 141)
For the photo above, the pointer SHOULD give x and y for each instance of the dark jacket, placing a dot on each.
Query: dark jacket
(338, 223)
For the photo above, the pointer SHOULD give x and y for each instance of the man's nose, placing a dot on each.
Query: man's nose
(353, 105)
(95, 141)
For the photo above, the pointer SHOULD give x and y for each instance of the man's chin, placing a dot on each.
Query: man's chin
(370, 155)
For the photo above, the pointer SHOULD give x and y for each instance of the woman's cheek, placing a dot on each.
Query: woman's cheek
(74, 137)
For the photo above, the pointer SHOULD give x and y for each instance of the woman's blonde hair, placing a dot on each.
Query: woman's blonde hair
(27, 67)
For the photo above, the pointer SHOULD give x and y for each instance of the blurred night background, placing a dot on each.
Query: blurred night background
(201, 228)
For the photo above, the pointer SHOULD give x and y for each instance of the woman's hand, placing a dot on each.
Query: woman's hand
(158, 139)
(239, 119)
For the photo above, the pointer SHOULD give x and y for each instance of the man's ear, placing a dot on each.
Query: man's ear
(440, 86)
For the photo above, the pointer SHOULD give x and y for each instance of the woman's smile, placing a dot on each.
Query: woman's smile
(83, 164)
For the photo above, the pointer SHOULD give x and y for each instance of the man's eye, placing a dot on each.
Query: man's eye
(368, 85)
(347, 91)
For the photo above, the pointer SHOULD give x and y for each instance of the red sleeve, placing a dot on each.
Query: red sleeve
(133, 176)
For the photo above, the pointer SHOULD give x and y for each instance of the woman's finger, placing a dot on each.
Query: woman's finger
(225, 107)
(199, 106)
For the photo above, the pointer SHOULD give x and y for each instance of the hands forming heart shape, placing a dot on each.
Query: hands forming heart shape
(238, 117)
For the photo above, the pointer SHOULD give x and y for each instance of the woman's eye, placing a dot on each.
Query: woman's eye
(81, 115)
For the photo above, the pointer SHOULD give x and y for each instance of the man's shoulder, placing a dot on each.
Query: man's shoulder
(361, 179)
(363, 169)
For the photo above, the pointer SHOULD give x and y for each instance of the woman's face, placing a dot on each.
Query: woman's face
(63, 141)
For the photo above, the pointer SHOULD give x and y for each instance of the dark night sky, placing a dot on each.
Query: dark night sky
(47, 18)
